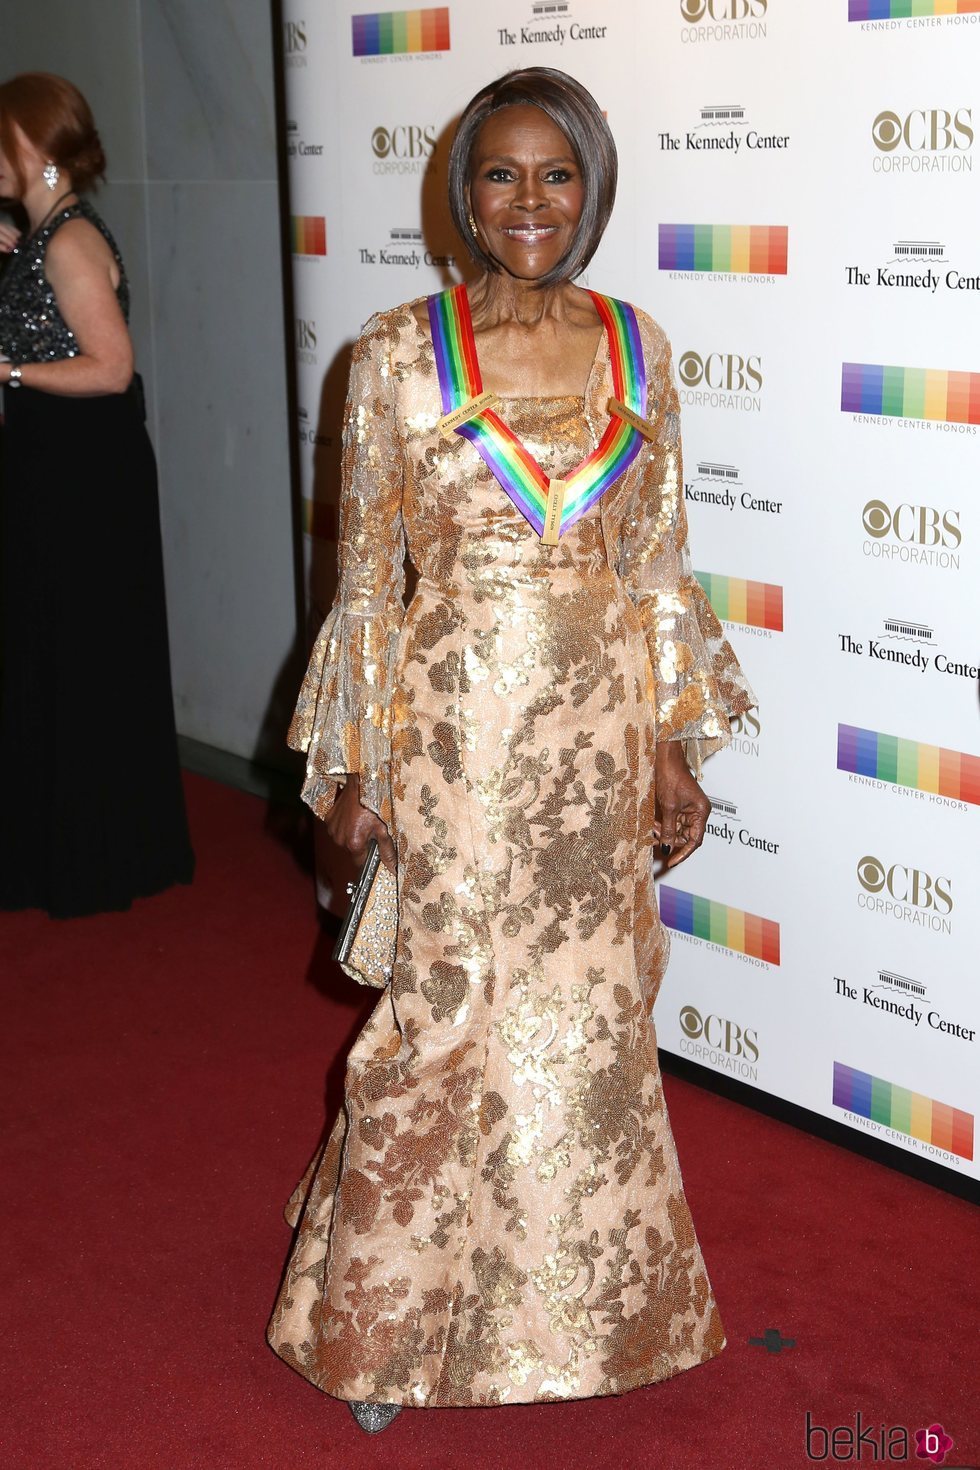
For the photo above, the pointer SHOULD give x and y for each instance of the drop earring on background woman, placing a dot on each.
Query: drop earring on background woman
(50, 173)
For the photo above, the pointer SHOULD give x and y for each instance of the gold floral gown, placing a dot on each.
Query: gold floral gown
(498, 1215)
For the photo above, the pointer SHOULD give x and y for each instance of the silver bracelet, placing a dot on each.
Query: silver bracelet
(13, 380)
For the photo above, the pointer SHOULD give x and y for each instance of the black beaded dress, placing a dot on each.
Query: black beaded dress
(91, 803)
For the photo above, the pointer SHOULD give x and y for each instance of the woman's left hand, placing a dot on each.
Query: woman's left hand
(9, 237)
(682, 807)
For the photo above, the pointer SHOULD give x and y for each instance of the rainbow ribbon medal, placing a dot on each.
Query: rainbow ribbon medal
(551, 506)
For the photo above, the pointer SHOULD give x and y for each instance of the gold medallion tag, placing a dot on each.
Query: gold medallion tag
(552, 512)
(451, 421)
(620, 411)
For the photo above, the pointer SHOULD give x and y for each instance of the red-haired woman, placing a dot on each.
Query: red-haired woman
(92, 806)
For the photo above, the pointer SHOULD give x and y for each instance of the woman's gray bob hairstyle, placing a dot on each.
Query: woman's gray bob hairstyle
(575, 111)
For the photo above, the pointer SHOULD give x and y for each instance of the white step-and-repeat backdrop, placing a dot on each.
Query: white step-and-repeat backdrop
(798, 206)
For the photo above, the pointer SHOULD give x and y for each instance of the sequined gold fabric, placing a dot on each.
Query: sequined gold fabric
(497, 1215)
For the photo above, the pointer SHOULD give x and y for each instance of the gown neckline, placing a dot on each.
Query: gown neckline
(552, 504)
(599, 362)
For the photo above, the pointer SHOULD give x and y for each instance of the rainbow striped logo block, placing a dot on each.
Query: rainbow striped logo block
(756, 604)
(753, 250)
(908, 763)
(689, 913)
(308, 233)
(906, 1111)
(910, 393)
(393, 32)
(903, 9)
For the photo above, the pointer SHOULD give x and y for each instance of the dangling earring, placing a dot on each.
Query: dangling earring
(472, 222)
(50, 174)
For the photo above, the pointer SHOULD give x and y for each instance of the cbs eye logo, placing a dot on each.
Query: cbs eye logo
(720, 1033)
(695, 10)
(407, 142)
(922, 525)
(690, 369)
(886, 130)
(877, 518)
(725, 371)
(871, 874)
(906, 885)
(923, 130)
(691, 1023)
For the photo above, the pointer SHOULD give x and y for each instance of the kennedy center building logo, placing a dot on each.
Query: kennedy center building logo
(891, 647)
(905, 999)
(723, 128)
(720, 484)
(552, 23)
(405, 246)
(725, 825)
(297, 146)
(917, 266)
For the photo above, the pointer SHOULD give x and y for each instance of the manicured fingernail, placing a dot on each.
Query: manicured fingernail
(665, 849)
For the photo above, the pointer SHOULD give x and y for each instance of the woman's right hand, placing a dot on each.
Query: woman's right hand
(351, 825)
(9, 237)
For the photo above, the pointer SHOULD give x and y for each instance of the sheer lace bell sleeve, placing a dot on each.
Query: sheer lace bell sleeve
(342, 717)
(699, 682)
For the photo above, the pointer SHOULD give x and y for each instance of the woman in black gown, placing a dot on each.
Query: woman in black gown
(91, 804)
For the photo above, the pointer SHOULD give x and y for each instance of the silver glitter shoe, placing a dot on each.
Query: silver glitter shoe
(374, 1417)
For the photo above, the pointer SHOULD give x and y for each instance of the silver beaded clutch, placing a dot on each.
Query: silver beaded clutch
(365, 948)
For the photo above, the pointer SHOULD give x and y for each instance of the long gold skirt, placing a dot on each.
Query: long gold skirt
(497, 1215)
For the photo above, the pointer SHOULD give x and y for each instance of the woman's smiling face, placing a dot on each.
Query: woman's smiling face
(526, 190)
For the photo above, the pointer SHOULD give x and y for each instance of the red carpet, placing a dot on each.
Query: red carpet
(163, 1083)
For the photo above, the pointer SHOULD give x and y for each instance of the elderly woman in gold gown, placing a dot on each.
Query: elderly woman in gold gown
(497, 1215)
